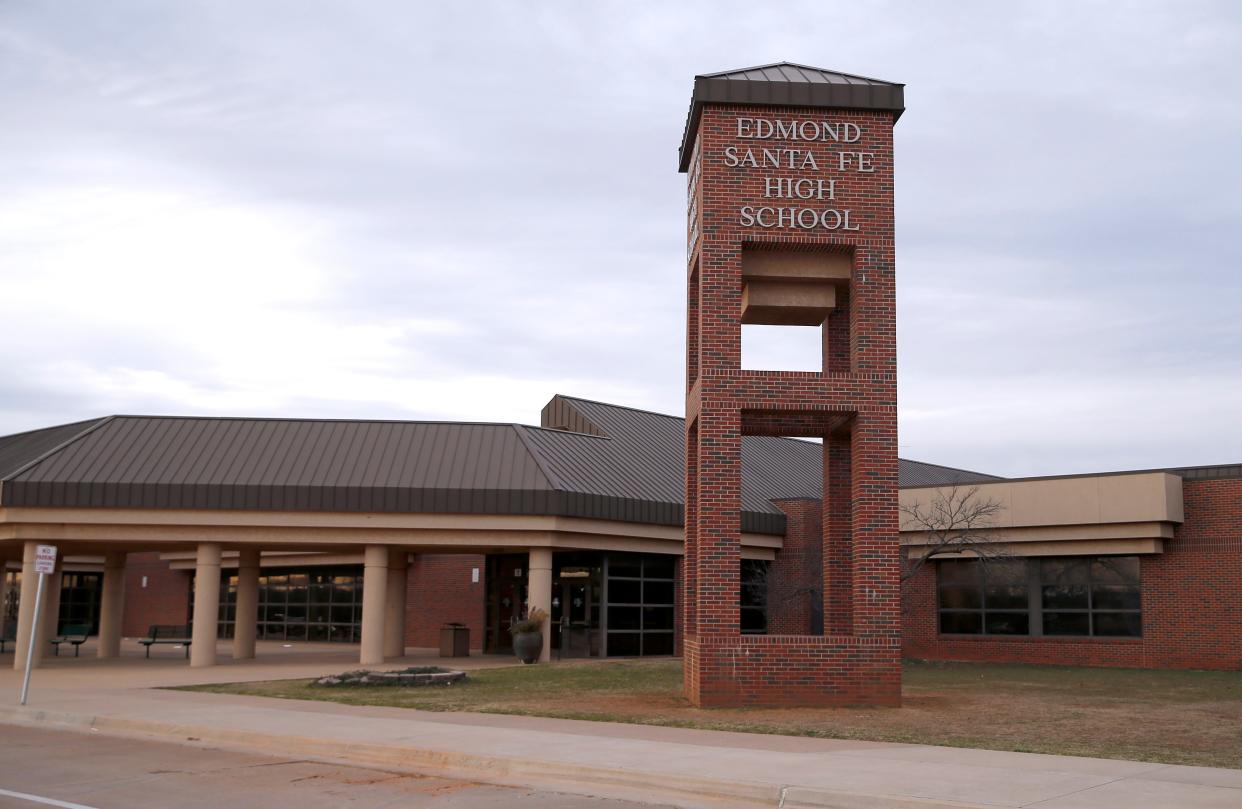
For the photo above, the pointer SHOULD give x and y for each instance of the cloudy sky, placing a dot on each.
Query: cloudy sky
(456, 210)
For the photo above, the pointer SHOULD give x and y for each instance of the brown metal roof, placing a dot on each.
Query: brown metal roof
(913, 474)
(614, 463)
(281, 464)
(22, 449)
(786, 84)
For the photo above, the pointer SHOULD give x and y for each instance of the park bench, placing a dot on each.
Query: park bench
(8, 634)
(167, 633)
(73, 633)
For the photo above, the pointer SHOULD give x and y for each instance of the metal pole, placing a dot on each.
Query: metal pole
(34, 638)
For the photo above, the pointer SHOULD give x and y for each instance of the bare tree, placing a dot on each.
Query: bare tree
(955, 521)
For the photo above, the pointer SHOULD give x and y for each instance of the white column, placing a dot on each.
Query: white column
(206, 605)
(111, 604)
(246, 607)
(540, 594)
(4, 588)
(394, 611)
(25, 608)
(4, 592)
(374, 604)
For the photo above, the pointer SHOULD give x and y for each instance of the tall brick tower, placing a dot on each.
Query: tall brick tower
(790, 208)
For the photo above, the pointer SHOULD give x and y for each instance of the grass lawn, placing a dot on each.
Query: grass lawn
(1176, 717)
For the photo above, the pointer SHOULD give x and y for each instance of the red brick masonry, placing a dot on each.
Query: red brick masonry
(440, 590)
(851, 404)
(165, 599)
(1192, 602)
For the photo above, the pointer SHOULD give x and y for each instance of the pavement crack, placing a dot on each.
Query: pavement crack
(1156, 768)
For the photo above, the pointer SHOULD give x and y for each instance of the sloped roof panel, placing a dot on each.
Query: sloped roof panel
(20, 449)
(152, 462)
(789, 85)
(630, 467)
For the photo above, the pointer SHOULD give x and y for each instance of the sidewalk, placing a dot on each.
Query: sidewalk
(679, 766)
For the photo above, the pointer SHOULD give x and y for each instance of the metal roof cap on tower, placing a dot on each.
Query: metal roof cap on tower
(785, 84)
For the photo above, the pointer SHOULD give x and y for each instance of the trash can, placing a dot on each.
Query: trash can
(455, 640)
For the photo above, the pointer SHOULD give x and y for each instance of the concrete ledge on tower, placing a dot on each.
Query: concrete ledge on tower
(827, 670)
(791, 287)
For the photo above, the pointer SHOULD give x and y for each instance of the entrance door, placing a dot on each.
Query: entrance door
(506, 599)
(575, 608)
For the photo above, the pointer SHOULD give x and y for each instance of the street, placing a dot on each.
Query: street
(68, 769)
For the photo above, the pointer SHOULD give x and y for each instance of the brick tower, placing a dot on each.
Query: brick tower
(790, 209)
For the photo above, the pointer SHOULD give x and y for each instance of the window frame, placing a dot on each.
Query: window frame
(1036, 609)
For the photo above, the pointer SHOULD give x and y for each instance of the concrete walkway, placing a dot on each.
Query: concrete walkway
(671, 765)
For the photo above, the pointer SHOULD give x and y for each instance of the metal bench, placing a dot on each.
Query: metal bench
(73, 633)
(167, 633)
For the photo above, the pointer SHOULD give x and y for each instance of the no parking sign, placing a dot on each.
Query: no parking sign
(45, 559)
(45, 563)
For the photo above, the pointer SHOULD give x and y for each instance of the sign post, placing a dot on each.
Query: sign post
(45, 563)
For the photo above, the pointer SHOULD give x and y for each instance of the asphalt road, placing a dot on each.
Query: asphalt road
(67, 769)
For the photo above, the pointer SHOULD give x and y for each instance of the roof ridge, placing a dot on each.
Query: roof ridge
(563, 431)
(622, 407)
(798, 65)
(305, 420)
(953, 468)
(51, 427)
(33, 462)
(554, 479)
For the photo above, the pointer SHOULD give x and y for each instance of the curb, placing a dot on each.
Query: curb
(627, 784)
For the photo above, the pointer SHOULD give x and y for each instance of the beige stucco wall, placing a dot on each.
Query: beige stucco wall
(1118, 513)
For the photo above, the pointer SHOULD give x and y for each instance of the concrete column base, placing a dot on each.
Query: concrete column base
(111, 605)
(246, 608)
(206, 605)
(25, 608)
(374, 604)
(394, 607)
(540, 594)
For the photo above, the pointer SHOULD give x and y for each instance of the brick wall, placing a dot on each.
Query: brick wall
(1192, 602)
(852, 404)
(165, 599)
(795, 583)
(439, 591)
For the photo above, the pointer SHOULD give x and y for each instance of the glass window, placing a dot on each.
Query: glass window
(657, 617)
(1100, 596)
(625, 565)
(659, 567)
(639, 613)
(657, 643)
(961, 623)
(753, 597)
(1007, 623)
(1066, 583)
(1067, 623)
(624, 643)
(292, 600)
(625, 618)
(657, 592)
(984, 597)
(1084, 596)
(625, 591)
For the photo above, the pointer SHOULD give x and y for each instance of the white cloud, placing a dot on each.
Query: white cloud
(403, 210)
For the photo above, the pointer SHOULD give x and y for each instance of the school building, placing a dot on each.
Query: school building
(471, 523)
(760, 537)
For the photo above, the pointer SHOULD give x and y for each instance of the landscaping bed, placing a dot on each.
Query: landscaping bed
(409, 678)
(1177, 717)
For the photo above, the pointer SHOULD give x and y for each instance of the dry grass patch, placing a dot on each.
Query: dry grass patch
(1177, 717)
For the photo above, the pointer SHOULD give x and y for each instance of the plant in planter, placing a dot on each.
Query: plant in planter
(528, 635)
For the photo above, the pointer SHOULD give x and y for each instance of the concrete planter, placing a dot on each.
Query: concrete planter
(527, 646)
